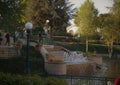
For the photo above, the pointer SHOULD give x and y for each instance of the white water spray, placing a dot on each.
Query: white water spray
(74, 57)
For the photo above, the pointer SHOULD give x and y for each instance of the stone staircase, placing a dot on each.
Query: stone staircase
(7, 52)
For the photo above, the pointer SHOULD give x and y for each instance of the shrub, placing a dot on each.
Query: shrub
(17, 64)
(92, 48)
(8, 79)
(55, 81)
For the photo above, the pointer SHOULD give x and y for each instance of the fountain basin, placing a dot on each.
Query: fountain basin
(66, 62)
(55, 68)
(81, 69)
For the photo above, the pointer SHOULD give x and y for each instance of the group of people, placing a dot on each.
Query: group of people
(7, 38)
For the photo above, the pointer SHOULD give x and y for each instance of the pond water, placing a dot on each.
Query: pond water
(110, 68)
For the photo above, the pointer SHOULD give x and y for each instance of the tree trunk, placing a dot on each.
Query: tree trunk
(86, 44)
(110, 49)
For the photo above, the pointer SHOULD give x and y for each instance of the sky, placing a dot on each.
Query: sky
(99, 4)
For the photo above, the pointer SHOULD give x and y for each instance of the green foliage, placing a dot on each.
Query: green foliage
(86, 18)
(109, 24)
(98, 48)
(61, 33)
(12, 14)
(54, 81)
(63, 38)
(88, 54)
(92, 48)
(57, 11)
(13, 65)
(9, 79)
(110, 28)
(36, 63)
(116, 12)
(109, 31)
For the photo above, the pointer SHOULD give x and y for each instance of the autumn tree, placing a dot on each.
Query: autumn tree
(85, 19)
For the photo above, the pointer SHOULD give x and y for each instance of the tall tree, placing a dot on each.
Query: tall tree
(85, 19)
(12, 14)
(115, 11)
(58, 12)
(110, 33)
(111, 26)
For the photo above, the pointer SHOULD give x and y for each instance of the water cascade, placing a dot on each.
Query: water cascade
(74, 57)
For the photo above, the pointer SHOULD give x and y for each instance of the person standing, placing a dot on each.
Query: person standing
(7, 36)
(40, 37)
(16, 35)
(0, 37)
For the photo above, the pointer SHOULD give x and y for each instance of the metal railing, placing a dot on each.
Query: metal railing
(7, 67)
(85, 80)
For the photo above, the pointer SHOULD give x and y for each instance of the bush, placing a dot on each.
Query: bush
(16, 65)
(55, 81)
(82, 47)
(8, 79)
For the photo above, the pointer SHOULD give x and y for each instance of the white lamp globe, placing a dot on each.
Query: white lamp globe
(28, 25)
(47, 21)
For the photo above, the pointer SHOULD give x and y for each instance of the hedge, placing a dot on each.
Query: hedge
(10, 79)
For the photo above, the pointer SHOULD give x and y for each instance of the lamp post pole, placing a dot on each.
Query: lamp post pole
(47, 24)
(28, 26)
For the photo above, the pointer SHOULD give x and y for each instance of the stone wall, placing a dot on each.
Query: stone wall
(98, 60)
(80, 69)
(55, 68)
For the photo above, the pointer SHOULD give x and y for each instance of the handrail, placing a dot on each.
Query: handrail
(84, 80)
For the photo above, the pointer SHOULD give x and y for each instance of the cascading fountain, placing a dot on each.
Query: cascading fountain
(73, 62)
(74, 57)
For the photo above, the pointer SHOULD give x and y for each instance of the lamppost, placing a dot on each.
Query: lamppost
(28, 27)
(46, 28)
(47, 31)
(47, 21)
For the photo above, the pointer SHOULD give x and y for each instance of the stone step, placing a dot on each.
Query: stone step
(7, 52)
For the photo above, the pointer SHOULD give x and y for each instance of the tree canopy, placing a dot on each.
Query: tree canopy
(12, 14)
(58, 12)
(110, 26)
(85, 19)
